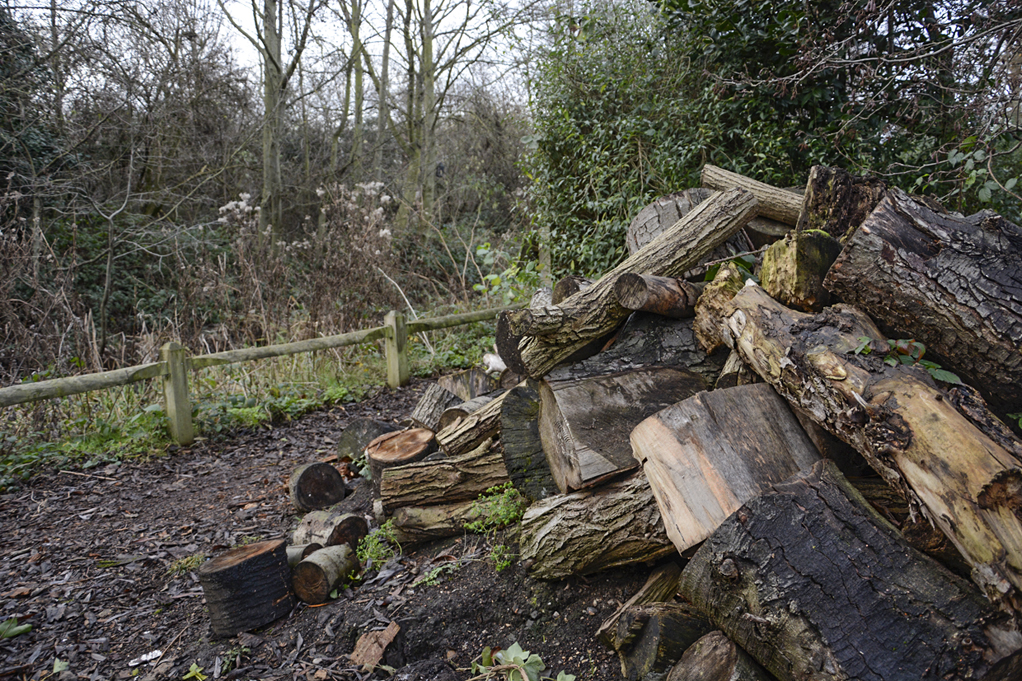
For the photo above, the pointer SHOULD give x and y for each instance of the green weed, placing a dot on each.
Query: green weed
(186, 564)
(379, 546)
(907, 352)
(498, 507)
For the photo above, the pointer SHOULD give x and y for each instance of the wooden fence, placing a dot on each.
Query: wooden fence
(175, 363)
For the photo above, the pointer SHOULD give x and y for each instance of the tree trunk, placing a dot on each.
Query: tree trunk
(357, 436)
(471, 431)
(952, 283)
(584, 422)
(709, 320)
(815, 585)
(708, 455)
(247, 587)
(836, 202)
(418, 524)
(661, 587)
(794, 267)
(433, 403)
(319, 574)
(591, 313)
(397, 449)
(584, 532)
(521, 445)
(453, 414)
(782, 205)
(661, 215)
(331, 527)
(316, 485)
(667, 296)
(653, 637)
(297, 553)
(715, 657)
(431, 483)
(964, 480)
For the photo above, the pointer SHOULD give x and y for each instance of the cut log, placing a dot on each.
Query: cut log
(319, 574)
(963, 480)
(584, 532)
(665, 296)
(419, 524)
(357, 436)
(247, 587)
(763, 231)
(296, 554)
(653, 637)
(736, 372)
(431, 406)
(316, 485)
(473, 430)
(569, 286)
(468, 384)
(520, 443)
(396, 449)
(459, 411)
(952, 283)
(592, 313)
(813, 584)
(782, 205)
(715, 657)
(331, 527)
(794, 268)
(837, 202)
(660, 587)
(456, 478)
(706, 456)
(712, 304)
(584, 422)
(661, 215)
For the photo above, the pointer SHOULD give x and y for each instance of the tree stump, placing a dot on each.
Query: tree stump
(357, 436)
(331, 527)
(320, 573)
(247, 587)
(396, 449)
(316, 485)
(837, 202)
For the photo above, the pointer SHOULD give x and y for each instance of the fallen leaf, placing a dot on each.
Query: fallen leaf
(371, 646)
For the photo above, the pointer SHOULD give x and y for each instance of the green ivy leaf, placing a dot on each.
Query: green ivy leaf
(945, 376)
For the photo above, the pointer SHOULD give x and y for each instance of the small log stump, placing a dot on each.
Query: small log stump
(297, 553)
(395, 449)
(316, 576)
(331, 527)
(316, 485)
(359, 433)
(433, 403)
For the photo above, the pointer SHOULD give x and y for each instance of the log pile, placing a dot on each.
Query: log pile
(710, 426)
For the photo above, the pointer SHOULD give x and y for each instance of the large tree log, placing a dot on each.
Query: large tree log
(584, 422)
(331, 527)
(521, 446)
(653, 637)
(660, 587)
(706, 456)
(782, 205)
(952, 283)
(418, 524)
(471, 431)
(659, 216)
(397, 449)
(967, 483)
(591, 313)
(431, 406)
(584, 532)
(814, 584)
(715, 657)
(837, 202)
(316, 485)
(794, 268)
(665, 296)
(247, 587)
(456, 478)
(319, 574)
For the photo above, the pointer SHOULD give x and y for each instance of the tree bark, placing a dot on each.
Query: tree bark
(952, 283)
(569, 286)
(591, 313)
(667, 296)
(331, 527)
(653, 637)
(584, 532)
(661, 215)
(584, 422)
(468, 384)
(709, 325)
(782, 205)
(431, 483)
(661, 587)
(815, 585)
(297, 553)
(418, 524)
(471, 431)
(247, 587)
(715, 657)
(794, 268)
(397, 449)
(521, 445)
(837, 202)
(319, 574)
(706, 456)
(431, 406)
(316, 485)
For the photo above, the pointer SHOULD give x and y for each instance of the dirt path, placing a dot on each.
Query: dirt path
(85, 560)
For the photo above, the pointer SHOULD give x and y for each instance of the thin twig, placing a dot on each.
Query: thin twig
(422, 334)
(87, 475)
(170, 645)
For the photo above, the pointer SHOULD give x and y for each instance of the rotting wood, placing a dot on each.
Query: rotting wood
(315, 485)
(665, 296)
(794, 268)
(782, 205)
(709, 325)
(468, 384)
(471, 431)
(837, 202)
(660, 587)
(320, 573)
(715, 657)
(520, 444)
(331, 527)
(736, 372)
(652, 637)
(419, 524)
(431, 406)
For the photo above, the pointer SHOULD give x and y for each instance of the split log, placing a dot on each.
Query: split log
(659, 216)
(665, 296)
(520, 444)
(737, 372)
(706, 456)
(431, 406)
(794, 268)
(459, 411)
(569, 286)
(357, 436)
(966, 482)
(468, 384)
(419, 524)
(247, 587)
(660, 587)
(296, 554)
(319, 574)
(813, 584)
(584, 532)
(782, 205)
(316, 485)
(952, 283)
(715, 657)
(837, 202)
(473, 430)
(456, 478)
(331, 527)
(709, 326)
(584, 422)
(557, 332)
(396, 449)
(654, 636)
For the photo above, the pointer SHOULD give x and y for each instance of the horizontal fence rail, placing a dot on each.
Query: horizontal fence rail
(175, 364)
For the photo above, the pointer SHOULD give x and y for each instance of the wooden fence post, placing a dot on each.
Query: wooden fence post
(396, 345)
(175, 393)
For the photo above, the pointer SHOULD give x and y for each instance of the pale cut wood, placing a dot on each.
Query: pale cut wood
(297, 553)
(715, 657)
(247, 587)
(357, 436)
(782, 205)
(813, 584)
(331, 527)
(794, 268)
(584, 422)
(667, 296)
(468, 384)
(418, 524)
(396, 449)
(583, 532)
(706, 456)
(455, 478)
(431, 406)
(471, 431)
(315, 485)
(709, 320)
(520, 443)
(455, 413)
(964, 480)
(652, 637)
(322, 571)
(660, 215)
(592, 313)
(660, 587)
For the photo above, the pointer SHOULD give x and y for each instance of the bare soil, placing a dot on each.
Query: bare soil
(86, 558)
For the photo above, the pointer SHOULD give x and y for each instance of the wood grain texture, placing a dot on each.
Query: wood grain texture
(322, 571)
(431, 406)
(468, 433)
